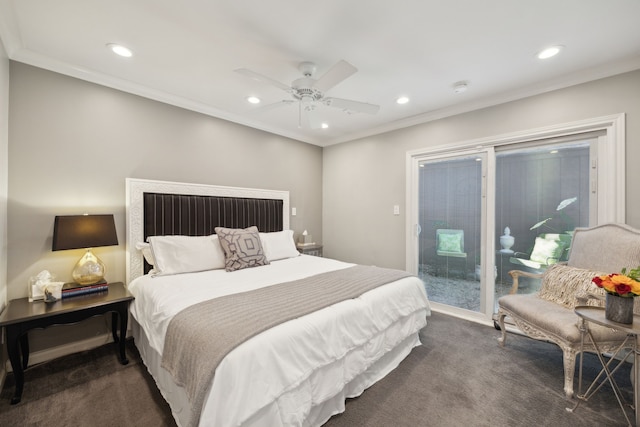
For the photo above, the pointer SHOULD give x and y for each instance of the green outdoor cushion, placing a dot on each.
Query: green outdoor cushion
(547, 251)
(450, 243)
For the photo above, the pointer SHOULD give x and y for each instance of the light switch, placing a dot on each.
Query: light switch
(396, 209)
(293, 211)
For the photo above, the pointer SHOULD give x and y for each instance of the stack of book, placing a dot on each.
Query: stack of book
(304, 245)
(75, 289)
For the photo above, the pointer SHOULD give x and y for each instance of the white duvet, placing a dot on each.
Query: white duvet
(280, 375)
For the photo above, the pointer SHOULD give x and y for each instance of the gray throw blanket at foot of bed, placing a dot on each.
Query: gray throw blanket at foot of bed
(200, 336)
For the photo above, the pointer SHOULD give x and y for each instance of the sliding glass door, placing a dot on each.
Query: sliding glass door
(542, 194)
(450, 214)
(477, 212)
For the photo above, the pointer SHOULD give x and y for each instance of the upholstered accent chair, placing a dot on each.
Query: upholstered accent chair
(548, 315)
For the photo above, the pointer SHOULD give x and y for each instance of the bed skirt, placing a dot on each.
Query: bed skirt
(402, 336)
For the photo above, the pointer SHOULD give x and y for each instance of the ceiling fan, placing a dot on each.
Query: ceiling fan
(310, 92)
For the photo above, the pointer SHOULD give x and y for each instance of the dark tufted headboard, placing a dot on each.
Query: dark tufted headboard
(169, 214)
(156, 208)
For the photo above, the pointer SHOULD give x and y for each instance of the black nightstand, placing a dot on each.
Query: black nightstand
(21, 316)
(315, 250)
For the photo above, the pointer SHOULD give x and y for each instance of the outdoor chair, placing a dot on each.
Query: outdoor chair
(450, 244)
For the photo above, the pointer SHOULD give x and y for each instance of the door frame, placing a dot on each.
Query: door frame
(609, 180)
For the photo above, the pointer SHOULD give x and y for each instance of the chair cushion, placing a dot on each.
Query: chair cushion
(450, 242)
(561, 284)
(554, 318)
(525, 262)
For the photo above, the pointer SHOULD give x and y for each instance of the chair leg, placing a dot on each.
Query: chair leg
(503, 330)
(569, 361)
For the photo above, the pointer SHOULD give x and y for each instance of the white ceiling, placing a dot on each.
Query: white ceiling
(185, 52)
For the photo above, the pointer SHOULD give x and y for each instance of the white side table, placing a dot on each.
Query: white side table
(596, 315)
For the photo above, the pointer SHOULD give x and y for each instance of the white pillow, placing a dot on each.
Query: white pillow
(186, 254)
(145, 248)
(279, 245)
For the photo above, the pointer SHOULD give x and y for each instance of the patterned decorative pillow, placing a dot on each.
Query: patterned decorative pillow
(242, 248)
(450, 243)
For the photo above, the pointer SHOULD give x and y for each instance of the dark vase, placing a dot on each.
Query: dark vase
(619, 309)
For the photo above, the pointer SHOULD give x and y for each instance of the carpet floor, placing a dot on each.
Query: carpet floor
(458, 377)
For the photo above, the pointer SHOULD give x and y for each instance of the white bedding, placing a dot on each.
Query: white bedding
(282, 376)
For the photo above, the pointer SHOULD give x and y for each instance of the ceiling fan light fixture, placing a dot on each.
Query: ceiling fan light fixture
(120, 50)
(253, 100)
(549, 52)
(402, 100)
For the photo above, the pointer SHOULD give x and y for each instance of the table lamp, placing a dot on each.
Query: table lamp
(85, 232)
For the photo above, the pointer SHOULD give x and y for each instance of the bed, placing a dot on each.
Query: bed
(296, 335)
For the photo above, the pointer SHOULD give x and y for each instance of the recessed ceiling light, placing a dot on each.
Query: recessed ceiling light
(460, 87)
(402, 100)
(553, 151)
(549, 52)
(253, 100)
(120, 50)
(325, 125)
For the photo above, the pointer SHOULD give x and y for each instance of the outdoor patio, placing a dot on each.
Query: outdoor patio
(464, 292)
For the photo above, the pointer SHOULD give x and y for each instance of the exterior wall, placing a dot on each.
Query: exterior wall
(364, 179)
(73, 143)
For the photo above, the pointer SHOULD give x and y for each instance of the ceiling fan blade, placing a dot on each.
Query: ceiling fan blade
(262, 78)
(349, 105)
(335, 75)
(272, 106)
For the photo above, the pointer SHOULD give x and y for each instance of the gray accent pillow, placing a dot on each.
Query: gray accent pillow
(242, 248)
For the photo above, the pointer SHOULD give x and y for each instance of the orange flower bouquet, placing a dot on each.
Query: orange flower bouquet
(622, 285)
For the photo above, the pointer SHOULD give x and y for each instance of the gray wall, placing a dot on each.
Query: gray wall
(363, 179)
(73, 143)
(4, 173)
